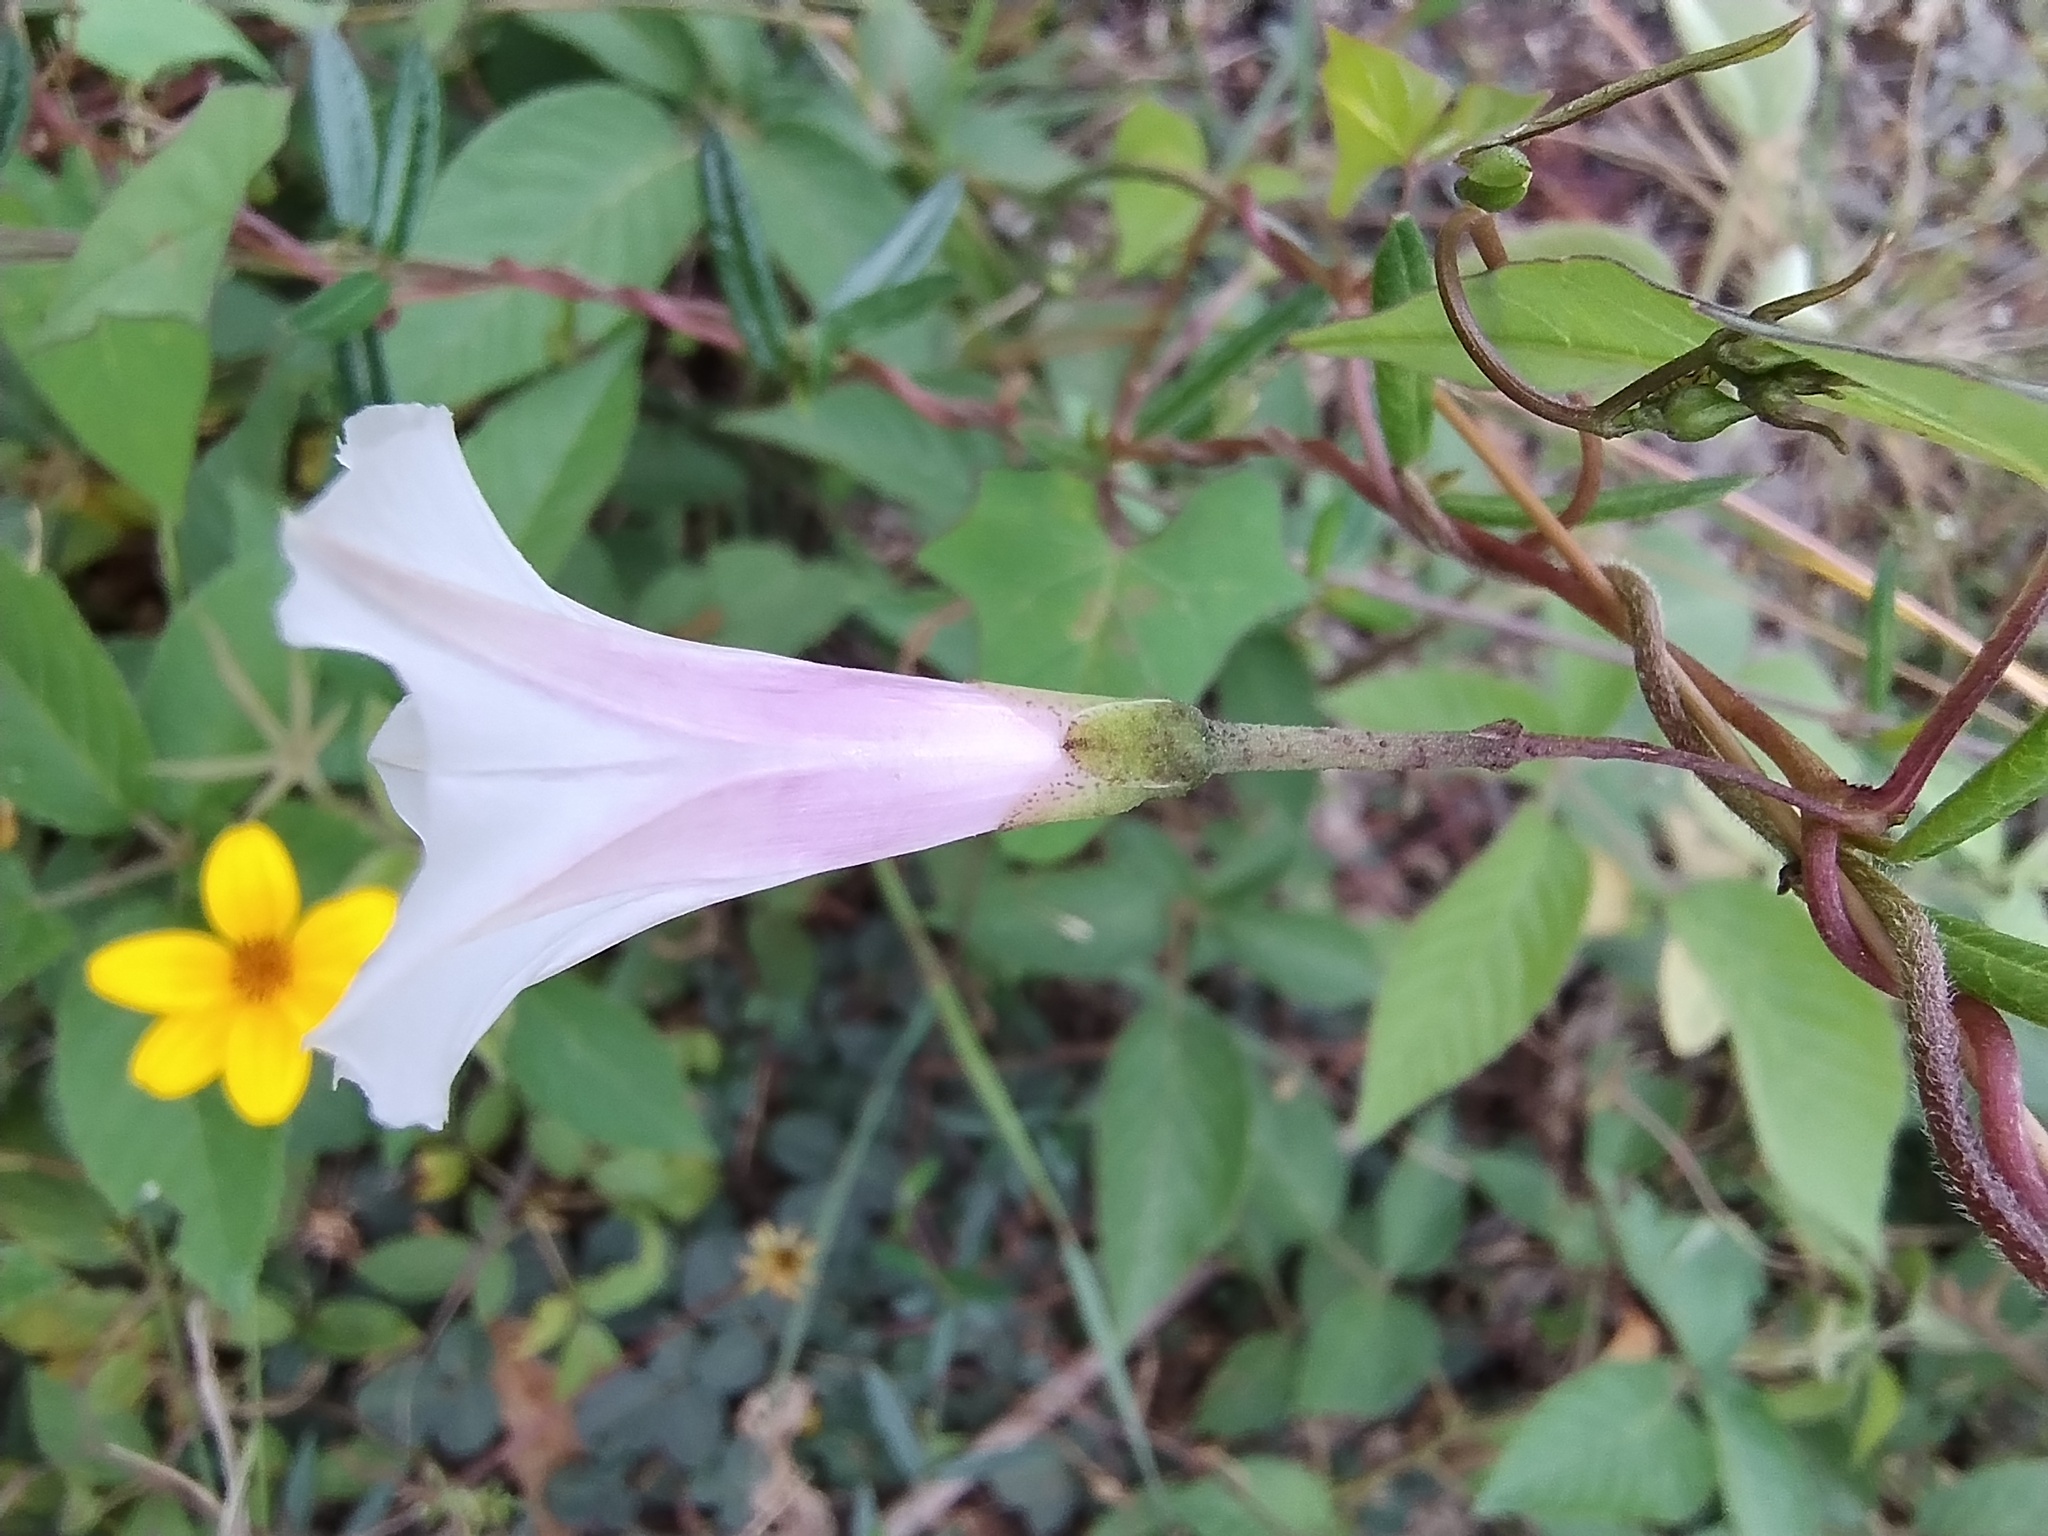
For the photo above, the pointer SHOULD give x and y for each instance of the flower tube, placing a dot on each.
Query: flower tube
(574, 780)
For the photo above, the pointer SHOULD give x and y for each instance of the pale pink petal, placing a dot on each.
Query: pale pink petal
(575, 780)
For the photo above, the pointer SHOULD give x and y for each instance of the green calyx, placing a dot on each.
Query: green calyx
(1151, 746)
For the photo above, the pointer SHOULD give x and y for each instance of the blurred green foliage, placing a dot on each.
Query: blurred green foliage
(1559, 1267)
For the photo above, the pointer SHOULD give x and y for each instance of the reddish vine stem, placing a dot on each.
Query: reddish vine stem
(1937, 1053)
(1137, 380)
(1895, 796)
(1989, 1060)
(1820, 873)
(1450, 284)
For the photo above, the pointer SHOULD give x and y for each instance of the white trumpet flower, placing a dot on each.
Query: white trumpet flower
(575, 780)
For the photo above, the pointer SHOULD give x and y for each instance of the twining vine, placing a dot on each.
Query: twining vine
(1833, 835)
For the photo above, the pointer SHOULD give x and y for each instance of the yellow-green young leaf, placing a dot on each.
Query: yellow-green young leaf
(1172, 1131)
(1406, 400)
(1471, 973)
(1382, 109)
(553, 1317)
(72, 750)
(1062, 606)
(154, 250)
(1153, 220)
(2009, 783)
(1816, 1051)
(545, 456)
(1763, 98)
(1612, 1445)
(1589, 324)
(595, 178)
(2005, 970)
(625, 1286)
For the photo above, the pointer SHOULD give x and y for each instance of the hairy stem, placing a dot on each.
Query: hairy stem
(1240, 748)
(1936, 1041)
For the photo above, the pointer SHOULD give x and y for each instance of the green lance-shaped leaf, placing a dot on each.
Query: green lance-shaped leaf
(2008, 972)
(72, 749)
(344, 308)
(1178, 403)
(903, 254)
(1406, 398)
(740, 256)
(2010, 782)
(344, 129)
(1881, 635)
(1741, 51)
(1588, 324)
(1618, 504)
(882, 310)
(412, 151)
(17, 83)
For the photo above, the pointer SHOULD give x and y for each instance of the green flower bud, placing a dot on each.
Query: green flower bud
(1496, 177)
(1697, 412)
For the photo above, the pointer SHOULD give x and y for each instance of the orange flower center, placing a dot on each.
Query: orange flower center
(262, 968)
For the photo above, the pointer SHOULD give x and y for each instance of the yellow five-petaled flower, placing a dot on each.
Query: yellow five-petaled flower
(237, 1003)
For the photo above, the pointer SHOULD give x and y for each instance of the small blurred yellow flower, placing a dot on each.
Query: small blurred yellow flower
(237, 1003)
(778, 1261)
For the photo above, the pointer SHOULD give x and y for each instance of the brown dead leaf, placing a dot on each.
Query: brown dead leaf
(783, 1502)
(540, 1429)
(1637, 1338)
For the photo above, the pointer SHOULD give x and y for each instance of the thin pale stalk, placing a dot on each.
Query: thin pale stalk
(987, 1083)
(1241, 748)
(832, 1207)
